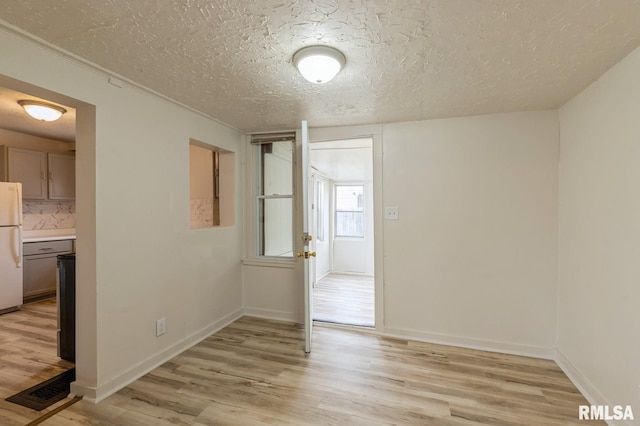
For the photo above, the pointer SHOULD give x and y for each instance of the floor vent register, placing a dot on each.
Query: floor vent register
(47, 393)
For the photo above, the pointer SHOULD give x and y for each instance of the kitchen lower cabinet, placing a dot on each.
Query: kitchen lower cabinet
(40, 267)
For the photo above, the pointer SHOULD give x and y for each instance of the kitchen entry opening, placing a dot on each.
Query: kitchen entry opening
(211, 184)
(344, 290)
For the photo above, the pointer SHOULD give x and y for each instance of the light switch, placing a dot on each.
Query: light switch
(391, 213)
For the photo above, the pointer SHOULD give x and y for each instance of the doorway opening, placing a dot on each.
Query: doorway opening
(39, 333)
(342, 178)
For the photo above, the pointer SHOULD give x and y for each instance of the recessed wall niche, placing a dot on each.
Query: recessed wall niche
(211, 177)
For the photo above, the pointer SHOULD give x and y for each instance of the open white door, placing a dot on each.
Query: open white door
(308, 254)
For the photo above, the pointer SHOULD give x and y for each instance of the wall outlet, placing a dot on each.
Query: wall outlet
(161, 327)
(391, 213)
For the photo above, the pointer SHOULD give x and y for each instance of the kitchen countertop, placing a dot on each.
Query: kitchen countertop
(36, 235)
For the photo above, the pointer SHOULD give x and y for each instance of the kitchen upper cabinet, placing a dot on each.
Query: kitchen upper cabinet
(30, 169)
(44, 176)
(62, 176)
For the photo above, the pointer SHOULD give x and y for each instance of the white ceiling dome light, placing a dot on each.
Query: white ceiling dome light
(42, 110)
(319, 64)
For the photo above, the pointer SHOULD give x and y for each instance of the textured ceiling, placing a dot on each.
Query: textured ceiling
(406, 59)
(343, 161)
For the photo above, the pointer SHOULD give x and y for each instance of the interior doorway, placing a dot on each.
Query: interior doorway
(31, 333)
(342, 178)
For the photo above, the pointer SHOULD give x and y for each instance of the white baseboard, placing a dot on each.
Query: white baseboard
(322, 276)
(469, 343)
(586, 388)
(350, 274)
(271, 314)
(97, 394)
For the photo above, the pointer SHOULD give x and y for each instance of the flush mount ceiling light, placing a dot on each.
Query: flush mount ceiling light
(42, 110)
(319, 64)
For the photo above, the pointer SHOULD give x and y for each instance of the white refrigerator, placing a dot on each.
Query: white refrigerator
(10, 246)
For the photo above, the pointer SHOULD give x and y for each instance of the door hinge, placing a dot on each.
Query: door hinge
(306, 254)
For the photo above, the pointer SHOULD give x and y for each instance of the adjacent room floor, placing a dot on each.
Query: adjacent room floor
(28, 356)
(345, 299)
(255, 372)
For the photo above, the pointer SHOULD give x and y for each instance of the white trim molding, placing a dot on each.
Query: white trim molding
(471, 343)
(271, 314)
(586, 388)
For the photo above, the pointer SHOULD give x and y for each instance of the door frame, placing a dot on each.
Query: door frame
(86, 295)
(375, 133)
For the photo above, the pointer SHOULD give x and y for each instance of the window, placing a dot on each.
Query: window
(350, 211)
(275, 194)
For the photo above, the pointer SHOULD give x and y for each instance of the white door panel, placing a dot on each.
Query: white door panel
(307, 255)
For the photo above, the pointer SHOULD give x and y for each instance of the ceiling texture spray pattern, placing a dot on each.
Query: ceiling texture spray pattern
(406, 59)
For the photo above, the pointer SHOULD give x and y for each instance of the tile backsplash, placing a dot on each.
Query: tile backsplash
(201, 213)
(42, 214)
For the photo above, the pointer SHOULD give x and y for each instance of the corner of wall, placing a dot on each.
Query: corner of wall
(582, 383)
(100, 392)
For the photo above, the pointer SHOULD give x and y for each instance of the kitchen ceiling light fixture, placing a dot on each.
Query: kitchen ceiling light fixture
(43, 111)
(319, 64)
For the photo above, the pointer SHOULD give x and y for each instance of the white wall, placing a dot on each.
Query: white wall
(137, 258)
(599, 244)
(272, 291)
(472, 259)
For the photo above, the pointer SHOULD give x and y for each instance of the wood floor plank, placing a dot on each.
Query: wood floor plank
(28, 356)
(255, 372)
(344, 299)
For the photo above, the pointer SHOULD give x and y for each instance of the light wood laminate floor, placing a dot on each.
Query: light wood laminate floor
(344, 299)
(254, 372)
(28, 356)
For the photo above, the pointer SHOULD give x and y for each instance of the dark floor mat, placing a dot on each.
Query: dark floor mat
(47, 393)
